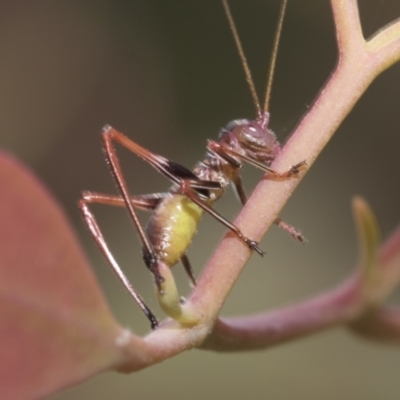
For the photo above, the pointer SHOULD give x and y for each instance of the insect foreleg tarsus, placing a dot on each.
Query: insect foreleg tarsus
(241, 194)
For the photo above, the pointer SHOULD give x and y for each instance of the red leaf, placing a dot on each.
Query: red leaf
(55, 327)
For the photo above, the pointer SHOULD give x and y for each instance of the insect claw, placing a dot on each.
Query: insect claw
(260, 252)
(153, 266)
(301, 163)
(254, 246)
(153, 321)
(295, 169)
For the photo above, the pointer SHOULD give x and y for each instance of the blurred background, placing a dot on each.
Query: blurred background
(167, 74)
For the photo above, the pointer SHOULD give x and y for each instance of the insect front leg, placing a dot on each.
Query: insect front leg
(293, 171)
(294, 232)
(226, 153)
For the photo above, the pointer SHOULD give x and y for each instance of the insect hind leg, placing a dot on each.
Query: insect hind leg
(110, 135)
(94, 229)
(188, 269)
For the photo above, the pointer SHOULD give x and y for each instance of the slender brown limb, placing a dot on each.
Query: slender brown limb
(109, 135)
(147, 202)
(219, 149)
(185, 178)
(173, 171)
(101, 243)
(170, 169)
(188, 269)
(222, 148)
(238, 188)
(294, 232)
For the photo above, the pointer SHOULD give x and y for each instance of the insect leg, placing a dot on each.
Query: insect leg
(94, 229)
(170, 169)
(188, 269)
(185, 186)
(147, 202)
(220, 149)
(238, 188)
(110, 135)
(294, 232)
(144, 202)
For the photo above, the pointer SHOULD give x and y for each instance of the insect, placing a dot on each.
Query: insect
(176, 213)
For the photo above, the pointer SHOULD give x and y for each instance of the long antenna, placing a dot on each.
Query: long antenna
(246, 68)
(274, 56)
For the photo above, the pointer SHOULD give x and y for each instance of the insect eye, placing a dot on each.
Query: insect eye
(250, 134)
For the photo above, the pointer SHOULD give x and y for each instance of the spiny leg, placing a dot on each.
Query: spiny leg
(110, 135)
(101, 243)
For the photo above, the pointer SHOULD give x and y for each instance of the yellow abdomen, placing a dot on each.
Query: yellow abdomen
(172, 227)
